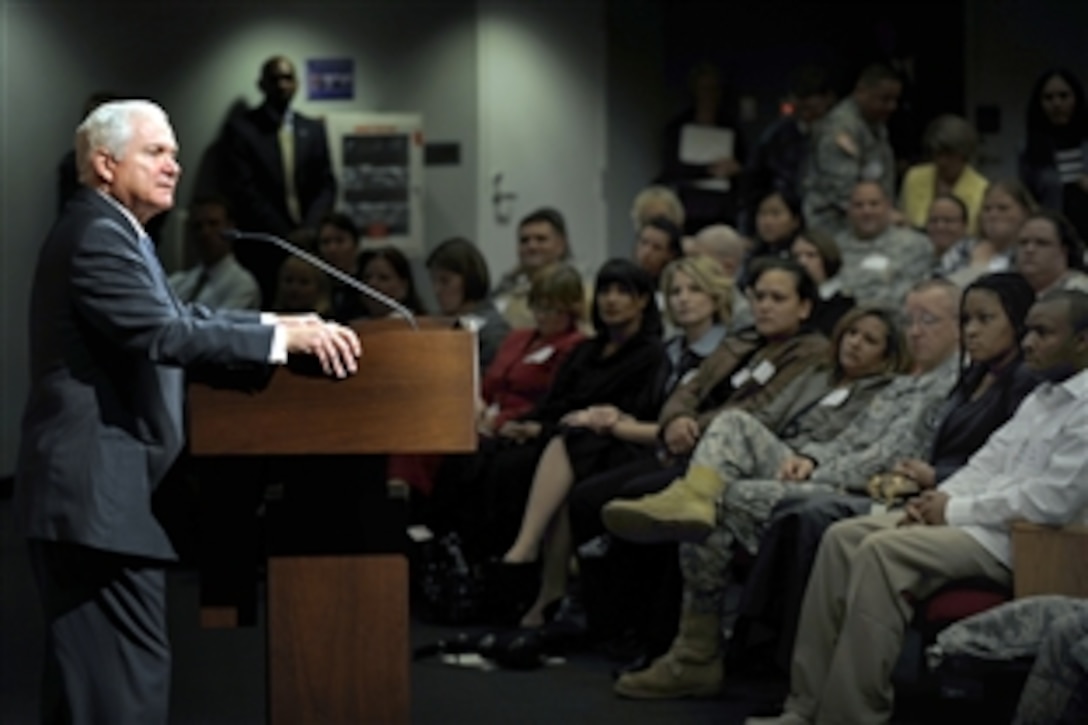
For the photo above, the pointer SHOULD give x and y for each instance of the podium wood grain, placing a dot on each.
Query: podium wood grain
(337, 617)
(1050, 560)
(341, 654)
(414, 393)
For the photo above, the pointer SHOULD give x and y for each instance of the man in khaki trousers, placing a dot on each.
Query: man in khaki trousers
(869, 570)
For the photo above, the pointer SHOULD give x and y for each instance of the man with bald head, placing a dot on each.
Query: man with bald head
(870, 570)
(728, 248)
(880, 260)
(278, 176)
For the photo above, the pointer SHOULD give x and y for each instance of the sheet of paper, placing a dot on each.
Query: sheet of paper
(704, 145)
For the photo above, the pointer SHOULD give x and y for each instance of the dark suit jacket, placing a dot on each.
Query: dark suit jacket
(255, 185)
(255, 181)
(108, 340)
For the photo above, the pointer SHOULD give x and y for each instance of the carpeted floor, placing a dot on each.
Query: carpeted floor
(219, 675)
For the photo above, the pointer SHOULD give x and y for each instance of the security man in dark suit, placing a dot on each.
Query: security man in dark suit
(103, 423)
(278, 173)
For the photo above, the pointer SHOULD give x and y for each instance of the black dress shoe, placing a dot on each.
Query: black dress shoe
(510, 589)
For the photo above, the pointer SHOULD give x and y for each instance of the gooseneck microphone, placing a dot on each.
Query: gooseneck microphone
(235, 235)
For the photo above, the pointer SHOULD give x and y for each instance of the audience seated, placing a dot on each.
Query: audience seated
(217, 281)
(301, 287)
(482, 496)
(338, 244)
(278, 175)
(542, 240)
(946, 227)
(721, 243)
(1050, 254)
(778, 220)
(818, 253)
(518, 377)
(849, 146)
(461, 282)
(387, 270)
(747, 371)
(656, 244)
(992, 382)
(951, 143)
(870, 569)
(602, 437)
(880, 260)
(1054, 162)
(656, 201)
(1005, 207)
(868, 349)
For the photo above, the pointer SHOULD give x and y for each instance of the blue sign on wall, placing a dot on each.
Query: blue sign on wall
(331, 78)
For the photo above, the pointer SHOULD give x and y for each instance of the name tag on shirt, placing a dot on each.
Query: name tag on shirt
(876, 263)
(540, 356)
(835, 398)
(764, 372)
(741, 377)
(876, 509)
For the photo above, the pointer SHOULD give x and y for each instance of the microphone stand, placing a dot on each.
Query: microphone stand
(235, 235)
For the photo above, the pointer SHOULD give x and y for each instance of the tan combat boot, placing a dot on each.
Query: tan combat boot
(685, 511)
(691, 668)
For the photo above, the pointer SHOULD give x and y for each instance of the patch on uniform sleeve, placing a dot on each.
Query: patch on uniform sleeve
(844, 141)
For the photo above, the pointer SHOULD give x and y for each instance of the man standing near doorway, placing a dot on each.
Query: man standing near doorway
(278, 173)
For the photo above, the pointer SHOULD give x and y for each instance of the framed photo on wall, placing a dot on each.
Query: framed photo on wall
(378, 158)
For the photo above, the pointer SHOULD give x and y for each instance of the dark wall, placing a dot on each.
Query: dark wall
(758, 44)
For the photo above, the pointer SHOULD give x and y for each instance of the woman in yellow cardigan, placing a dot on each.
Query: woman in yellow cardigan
(951, 141)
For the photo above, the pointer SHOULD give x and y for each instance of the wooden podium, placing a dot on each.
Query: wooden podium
(338, 648)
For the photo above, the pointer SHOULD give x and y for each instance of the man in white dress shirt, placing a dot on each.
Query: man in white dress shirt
(218, 281)
(869, 569)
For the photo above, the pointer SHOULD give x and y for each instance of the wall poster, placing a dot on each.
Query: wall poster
(378, 158)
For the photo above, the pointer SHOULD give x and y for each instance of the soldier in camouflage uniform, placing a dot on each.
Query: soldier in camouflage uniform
(850, 145)
(761, 468)
(881, 262)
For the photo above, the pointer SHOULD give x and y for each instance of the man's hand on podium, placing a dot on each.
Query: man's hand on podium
(335, 346)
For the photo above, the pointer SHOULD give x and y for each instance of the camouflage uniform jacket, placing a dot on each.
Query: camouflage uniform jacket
(846, 149)
(898, 423)
(745, 372)
(882, 270)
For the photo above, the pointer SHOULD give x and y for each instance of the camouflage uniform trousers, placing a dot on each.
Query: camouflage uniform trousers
(1057, 688)
(747, 455)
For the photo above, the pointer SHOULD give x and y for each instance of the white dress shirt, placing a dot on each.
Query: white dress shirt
(1035, 468)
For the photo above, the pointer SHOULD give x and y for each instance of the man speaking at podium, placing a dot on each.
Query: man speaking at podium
(103, 423)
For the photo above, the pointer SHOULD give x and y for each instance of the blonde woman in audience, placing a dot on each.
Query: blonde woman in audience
(1005, 207)
(656, 201)
(601, 437)
(951, 143)
(725, 246)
